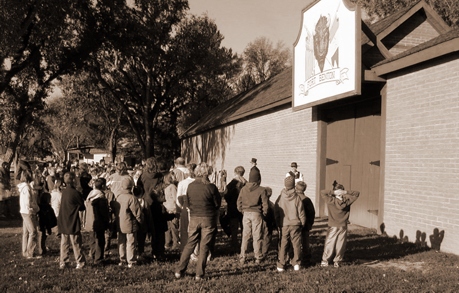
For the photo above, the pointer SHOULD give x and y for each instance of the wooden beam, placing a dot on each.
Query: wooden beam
(371, 76)
(376, 41)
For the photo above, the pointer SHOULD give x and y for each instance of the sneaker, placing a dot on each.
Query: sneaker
(280, 269)
(121, 263)
(80, 265)
(130, 265)
(62, 266)
(336, 265)
(324, 264)
(296, 267)
(193, 257)
(177, 275)
(198, 278)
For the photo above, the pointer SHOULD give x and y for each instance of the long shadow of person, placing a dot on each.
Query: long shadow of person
(436, 239)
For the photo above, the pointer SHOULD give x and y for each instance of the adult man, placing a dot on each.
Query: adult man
(203, 201)
(180, 171)
(68, 222)
(295, 173)
(339, 203)
(253, 204)
(254, 169)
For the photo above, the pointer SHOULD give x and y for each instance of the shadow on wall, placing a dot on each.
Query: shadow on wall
(436, 238)
(208, 147)
(209, 128)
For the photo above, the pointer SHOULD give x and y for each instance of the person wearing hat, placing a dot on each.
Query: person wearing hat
(253, 204)
(339, 203)
(290, 219)
(295, 173)
(254, 169)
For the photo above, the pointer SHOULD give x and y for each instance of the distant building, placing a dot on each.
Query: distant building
(88, 154)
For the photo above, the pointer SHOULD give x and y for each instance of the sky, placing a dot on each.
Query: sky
(242, 21)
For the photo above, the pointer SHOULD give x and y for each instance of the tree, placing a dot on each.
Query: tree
(159, 63)
(262, 61)
(41, 40)
(377, 9)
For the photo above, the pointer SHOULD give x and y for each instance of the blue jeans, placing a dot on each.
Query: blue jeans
(201, 230)
(29, 234)
(252, 226)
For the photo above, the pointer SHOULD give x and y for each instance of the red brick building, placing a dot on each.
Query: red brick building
(396, 142)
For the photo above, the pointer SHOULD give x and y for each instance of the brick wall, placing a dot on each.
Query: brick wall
(276, 139)
(422, 155)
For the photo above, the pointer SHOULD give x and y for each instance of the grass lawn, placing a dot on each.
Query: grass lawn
(373, 263)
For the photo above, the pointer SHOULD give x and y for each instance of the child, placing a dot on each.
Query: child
(310, 213)
(173, 218)
(146, 225)
(110, 233)
(339, 203)
(233, 215)
(128, 214)
(68, 222)
(56, 196)
(97, 220)
(290, 218)
(269, 223)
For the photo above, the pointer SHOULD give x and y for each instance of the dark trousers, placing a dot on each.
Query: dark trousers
(183, 226)
(306, 248)
(97, 245)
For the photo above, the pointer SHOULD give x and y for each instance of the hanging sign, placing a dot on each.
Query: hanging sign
(327, 55)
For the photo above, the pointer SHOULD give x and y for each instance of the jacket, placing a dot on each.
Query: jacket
(289, 209)
(97, 211)
(68, 221)
(170, 193)
(231, 195)
(309, 210)
(253, 198)
(127, 213)
(202, 198)
(28, 203)
(339, 209)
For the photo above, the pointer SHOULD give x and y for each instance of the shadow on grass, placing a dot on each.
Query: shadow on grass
(363, 245)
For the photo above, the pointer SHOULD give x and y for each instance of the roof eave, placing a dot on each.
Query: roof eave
(427, 54)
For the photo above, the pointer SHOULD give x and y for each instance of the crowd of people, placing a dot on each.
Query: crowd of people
(176, 208)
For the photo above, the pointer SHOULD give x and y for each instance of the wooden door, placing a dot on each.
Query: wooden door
(352, 156)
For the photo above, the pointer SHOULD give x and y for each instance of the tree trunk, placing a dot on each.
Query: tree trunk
(112, 144)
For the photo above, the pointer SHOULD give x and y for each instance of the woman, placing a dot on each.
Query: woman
(29, 209)
(151, 182)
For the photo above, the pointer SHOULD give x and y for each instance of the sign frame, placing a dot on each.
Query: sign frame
(327, 63)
